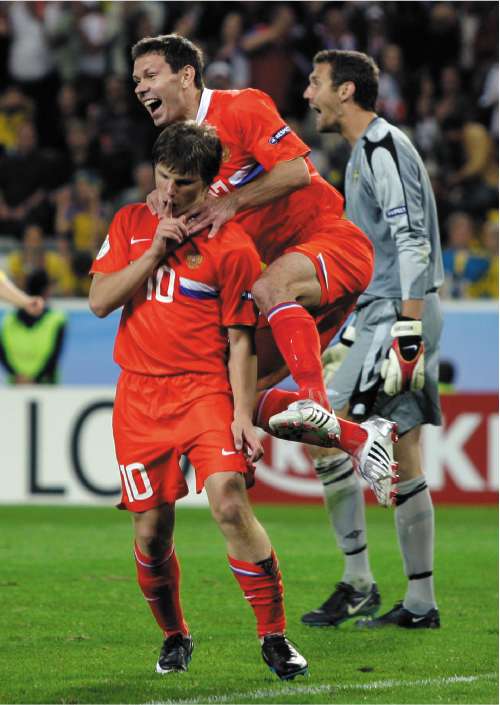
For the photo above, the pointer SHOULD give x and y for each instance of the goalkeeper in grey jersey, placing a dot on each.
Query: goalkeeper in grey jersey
(391, 365)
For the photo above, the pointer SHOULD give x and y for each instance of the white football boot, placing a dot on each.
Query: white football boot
(306, 421)
(374, 459)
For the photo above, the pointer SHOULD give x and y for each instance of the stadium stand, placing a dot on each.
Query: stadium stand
(73, 137)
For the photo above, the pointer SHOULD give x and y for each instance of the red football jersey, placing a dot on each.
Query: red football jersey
(176, 322)
(255, 139)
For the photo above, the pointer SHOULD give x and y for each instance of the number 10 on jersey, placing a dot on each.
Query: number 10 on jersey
(155, 285)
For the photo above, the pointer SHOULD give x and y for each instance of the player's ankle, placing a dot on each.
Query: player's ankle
(261, 638)
(317, 395)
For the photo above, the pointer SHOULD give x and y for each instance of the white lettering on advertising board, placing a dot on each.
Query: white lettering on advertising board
(57, 447)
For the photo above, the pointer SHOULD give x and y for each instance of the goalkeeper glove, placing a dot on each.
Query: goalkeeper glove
(333, 357)
(403, 368)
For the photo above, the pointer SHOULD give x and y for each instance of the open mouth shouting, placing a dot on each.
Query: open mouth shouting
(153, 106)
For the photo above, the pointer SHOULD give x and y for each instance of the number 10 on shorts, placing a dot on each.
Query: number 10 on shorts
(133, 492)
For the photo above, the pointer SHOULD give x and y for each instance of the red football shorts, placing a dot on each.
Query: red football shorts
(158, 419)
(342, 256)
(343, 259)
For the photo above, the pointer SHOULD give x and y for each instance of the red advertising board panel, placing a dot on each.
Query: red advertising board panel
(460, 458)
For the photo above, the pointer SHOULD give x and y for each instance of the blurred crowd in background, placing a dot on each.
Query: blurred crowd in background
(75, 143)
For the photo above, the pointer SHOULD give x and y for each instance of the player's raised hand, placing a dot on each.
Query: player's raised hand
(169, 230)
(212, 212)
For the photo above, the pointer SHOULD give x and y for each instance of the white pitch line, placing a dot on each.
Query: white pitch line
(319, 689)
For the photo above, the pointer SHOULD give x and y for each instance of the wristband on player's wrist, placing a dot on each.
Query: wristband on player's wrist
(407, 327)
(407, 318)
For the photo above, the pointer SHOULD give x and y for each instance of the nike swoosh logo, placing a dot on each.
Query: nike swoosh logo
(417, 619)
(352, 610)
(141, 239)
(228, 452)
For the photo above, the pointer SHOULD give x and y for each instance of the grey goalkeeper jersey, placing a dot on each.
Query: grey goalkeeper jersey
(389, 196)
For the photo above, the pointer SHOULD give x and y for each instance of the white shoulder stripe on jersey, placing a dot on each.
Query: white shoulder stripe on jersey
(206, 97)
(324, 269)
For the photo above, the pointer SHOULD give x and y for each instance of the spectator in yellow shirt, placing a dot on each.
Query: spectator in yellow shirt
(80, 214)
(34, 255)
(487, 286)
(471, 165)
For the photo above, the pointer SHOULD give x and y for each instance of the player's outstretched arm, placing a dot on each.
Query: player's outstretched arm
(282, 180)
(242, 367)
(13, 295)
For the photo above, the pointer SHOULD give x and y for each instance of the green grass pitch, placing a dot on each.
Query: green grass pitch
(74, 627)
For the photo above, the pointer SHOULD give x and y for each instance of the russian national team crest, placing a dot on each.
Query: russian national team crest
(193, 261)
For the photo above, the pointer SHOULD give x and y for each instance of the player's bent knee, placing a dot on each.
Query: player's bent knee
(228, 500)
(230, 508)
(261, 293)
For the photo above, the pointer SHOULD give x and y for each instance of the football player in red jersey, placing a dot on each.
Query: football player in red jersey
(187, 386)
(317, 263)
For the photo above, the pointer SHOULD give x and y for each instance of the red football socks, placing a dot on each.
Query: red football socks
(159, 581)
(297, 338)
(273, 401)
(263, 589)
(351, 436)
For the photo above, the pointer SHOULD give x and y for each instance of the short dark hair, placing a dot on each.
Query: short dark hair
(189, 149)
(177, 52)
(353, 66)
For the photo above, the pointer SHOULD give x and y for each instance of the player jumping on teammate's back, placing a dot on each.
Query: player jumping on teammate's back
(317, 262)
